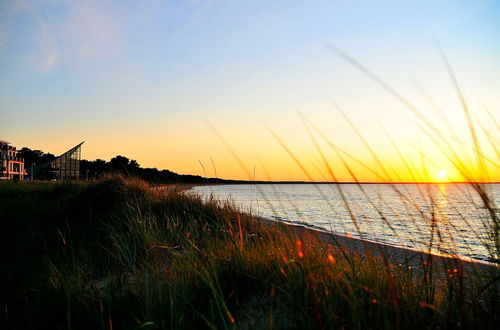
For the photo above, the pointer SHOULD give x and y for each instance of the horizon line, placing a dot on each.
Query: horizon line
(235, 181)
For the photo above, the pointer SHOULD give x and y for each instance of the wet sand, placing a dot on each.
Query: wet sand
(404, 257)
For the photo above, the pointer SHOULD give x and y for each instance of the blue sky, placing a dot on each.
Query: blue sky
(145, 74)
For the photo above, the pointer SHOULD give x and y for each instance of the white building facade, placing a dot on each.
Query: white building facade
(11, 165)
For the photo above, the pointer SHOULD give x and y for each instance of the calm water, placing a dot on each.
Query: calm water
(400, 215)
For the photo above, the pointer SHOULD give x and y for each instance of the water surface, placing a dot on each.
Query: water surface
(445, 218)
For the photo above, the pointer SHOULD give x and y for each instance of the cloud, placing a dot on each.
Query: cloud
(91, 31)
(198, 8)
(47, 53)
(47, 33)
(50, 60)
(3, 38)
(52, 33)
(11, 11)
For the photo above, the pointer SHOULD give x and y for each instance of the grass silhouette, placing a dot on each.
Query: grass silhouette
(117, 253)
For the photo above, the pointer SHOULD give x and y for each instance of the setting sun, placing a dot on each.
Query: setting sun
(442, 175)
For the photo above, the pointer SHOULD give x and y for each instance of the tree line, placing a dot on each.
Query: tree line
(90, 169)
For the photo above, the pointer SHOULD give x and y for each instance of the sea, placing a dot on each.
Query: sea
(449, 219)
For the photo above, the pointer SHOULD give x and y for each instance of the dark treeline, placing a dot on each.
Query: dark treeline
(35, 157)
(120, 164)
(90, 169)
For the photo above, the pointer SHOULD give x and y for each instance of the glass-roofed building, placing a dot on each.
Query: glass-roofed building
(63, 167)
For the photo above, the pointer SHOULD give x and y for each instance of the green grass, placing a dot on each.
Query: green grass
(117, 254)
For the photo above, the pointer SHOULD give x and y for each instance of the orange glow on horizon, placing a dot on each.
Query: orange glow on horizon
(180, 147)
(368, 111)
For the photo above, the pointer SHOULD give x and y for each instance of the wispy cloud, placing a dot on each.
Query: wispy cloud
(50, 33)
(198, 8)
(91, 31)
(3, 38)
(61, 31)
(48, 54)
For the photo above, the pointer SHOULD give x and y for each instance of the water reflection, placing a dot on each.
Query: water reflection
(409, 215)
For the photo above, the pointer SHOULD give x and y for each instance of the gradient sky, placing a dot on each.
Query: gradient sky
(142, 78)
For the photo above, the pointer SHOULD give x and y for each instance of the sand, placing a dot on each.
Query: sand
(404, 257)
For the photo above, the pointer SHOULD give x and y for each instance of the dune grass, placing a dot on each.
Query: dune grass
(118, 254)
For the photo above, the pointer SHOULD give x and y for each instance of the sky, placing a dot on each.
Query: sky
(177, 84)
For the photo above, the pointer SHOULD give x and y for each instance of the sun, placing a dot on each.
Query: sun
(441, 174)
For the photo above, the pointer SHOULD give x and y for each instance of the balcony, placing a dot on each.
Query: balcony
(7, 147)
(16, 159)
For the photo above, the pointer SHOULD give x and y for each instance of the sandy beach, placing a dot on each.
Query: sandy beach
(400, 256)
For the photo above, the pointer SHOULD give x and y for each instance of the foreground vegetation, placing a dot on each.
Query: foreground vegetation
(118, 254)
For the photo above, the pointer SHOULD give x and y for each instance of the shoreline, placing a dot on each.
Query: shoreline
(340, 183)
(398, 254)
(402, 256)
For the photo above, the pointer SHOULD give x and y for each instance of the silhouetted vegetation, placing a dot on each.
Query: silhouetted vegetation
(94, 169)
(122, 165)
(116, 254)
(34, 157)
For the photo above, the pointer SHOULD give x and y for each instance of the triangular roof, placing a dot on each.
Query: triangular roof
(40, 167)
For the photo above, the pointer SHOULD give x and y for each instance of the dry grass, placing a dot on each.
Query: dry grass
(117, 254)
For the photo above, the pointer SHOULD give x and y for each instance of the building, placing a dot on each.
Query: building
(11, 166)
(63, 167)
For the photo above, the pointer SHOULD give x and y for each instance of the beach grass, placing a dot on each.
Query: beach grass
(118, 254)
